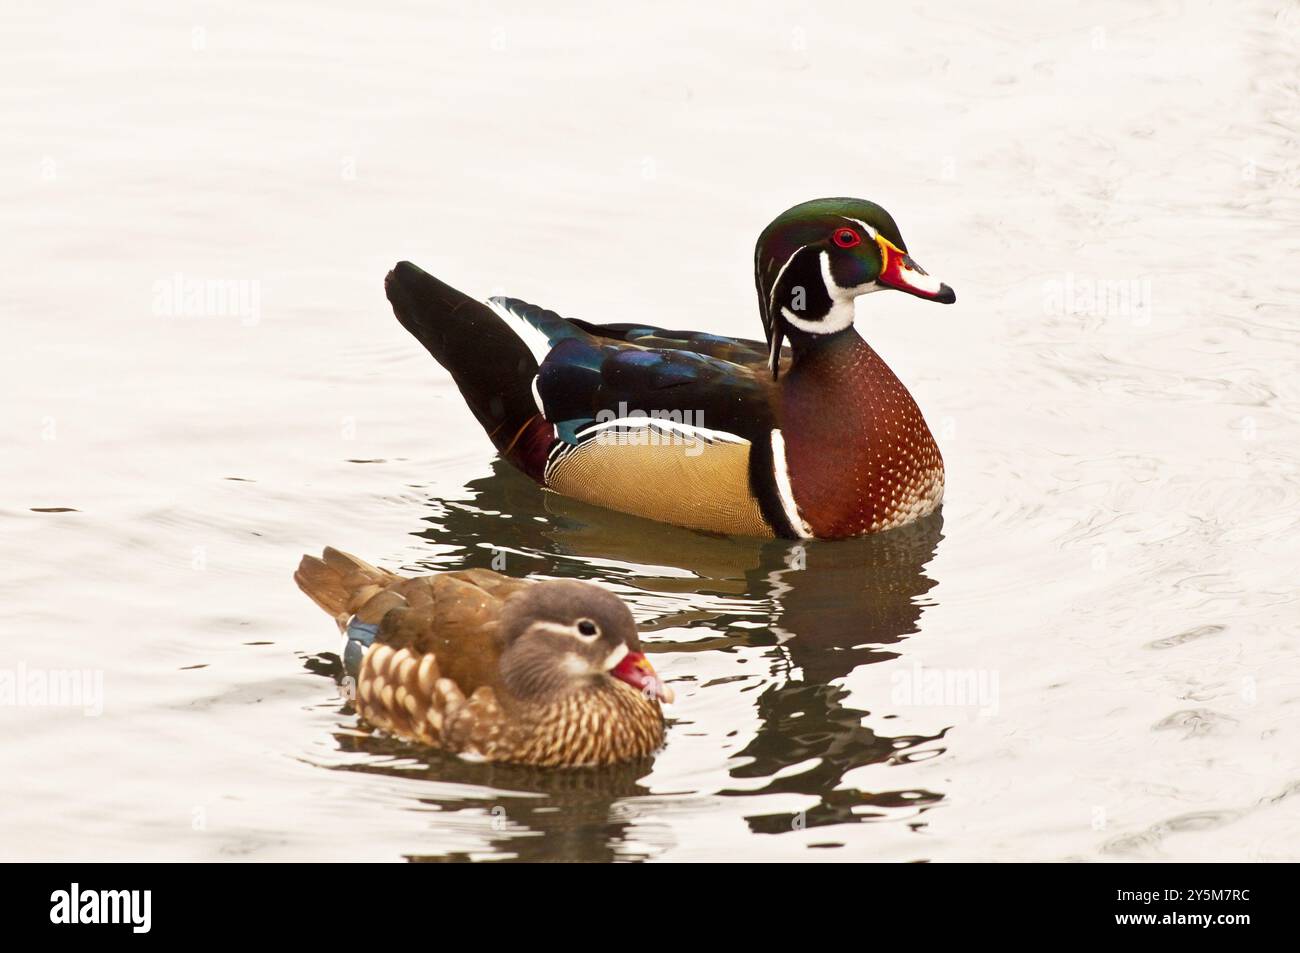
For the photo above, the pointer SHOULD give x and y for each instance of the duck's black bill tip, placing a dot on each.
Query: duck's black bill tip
(946, 295)
(402, 272)
(410, 289)
(419, 300)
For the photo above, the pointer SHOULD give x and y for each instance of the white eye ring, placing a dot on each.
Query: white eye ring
(587, 630)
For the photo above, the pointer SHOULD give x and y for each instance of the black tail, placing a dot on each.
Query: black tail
(489, 362)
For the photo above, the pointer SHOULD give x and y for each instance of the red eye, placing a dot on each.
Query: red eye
(846, 237)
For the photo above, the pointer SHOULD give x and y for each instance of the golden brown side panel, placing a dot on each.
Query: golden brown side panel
(691, 483)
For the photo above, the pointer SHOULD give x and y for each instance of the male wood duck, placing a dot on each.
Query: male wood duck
(493, 668)
(814, 439)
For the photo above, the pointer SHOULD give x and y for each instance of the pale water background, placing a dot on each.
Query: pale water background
(1117, 559)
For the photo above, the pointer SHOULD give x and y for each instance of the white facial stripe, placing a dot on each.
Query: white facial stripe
(865, 227)
(616, 656)
(783, 488)
(835, 291)
(552, 628)
(774, 352)
(812, 327)
(840, 315)
(771, 295)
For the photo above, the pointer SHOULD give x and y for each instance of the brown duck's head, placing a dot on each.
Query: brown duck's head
(561, 636)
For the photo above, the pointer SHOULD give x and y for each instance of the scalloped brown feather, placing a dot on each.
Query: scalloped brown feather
(433, 673)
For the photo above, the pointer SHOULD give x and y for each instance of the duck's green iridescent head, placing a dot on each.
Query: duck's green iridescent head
(816, 258)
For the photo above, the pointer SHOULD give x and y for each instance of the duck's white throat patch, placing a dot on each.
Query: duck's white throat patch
(840, 315)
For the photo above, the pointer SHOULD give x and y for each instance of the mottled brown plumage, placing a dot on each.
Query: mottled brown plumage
(482, 665)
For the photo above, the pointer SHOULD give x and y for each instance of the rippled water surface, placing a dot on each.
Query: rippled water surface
(1113, 194)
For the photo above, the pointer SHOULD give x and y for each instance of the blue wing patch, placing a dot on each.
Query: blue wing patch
(356, 642)
(587, 372)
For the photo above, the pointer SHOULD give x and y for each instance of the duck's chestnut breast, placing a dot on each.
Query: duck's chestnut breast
(858, 452)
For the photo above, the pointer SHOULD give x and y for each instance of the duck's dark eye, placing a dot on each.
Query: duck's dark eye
(846, 237)
(587, 627)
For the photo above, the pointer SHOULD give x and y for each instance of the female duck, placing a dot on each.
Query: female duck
(489, 667)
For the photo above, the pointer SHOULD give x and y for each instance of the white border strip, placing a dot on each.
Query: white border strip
(783, 488)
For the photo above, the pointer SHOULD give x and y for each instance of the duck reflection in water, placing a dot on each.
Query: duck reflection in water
(823, 608)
